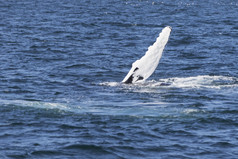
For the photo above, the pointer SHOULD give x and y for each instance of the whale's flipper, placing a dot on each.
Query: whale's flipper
(143, 68)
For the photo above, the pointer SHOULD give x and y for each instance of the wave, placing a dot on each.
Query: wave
(134, 110)
(35, 104)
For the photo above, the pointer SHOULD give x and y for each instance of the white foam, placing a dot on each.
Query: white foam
(195, 82)
(205, 81)
(112, 84)
(189, 111)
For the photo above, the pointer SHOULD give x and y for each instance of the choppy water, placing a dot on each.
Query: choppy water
(61, 64)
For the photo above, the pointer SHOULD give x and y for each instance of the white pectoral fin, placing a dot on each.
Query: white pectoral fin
(143, 68)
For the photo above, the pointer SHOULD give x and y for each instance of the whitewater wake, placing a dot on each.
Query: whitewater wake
(196, 82)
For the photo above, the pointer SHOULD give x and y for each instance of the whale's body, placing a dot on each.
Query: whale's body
(144, 67)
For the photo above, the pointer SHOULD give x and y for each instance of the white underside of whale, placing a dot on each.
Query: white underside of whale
(144, 67)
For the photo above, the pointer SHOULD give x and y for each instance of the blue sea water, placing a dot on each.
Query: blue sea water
(61, 67)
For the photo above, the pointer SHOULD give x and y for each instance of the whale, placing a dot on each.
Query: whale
(143, 68)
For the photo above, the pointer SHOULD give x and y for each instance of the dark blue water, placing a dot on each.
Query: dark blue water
(61, 64)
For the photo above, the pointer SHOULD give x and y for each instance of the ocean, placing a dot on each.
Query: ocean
(61, 67)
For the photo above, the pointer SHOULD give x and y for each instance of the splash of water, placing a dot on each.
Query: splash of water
(196, 82)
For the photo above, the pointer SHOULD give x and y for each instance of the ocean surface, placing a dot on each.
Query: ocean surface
(61, 67)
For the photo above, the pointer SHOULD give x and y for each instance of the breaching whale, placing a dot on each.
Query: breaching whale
(144, 67)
